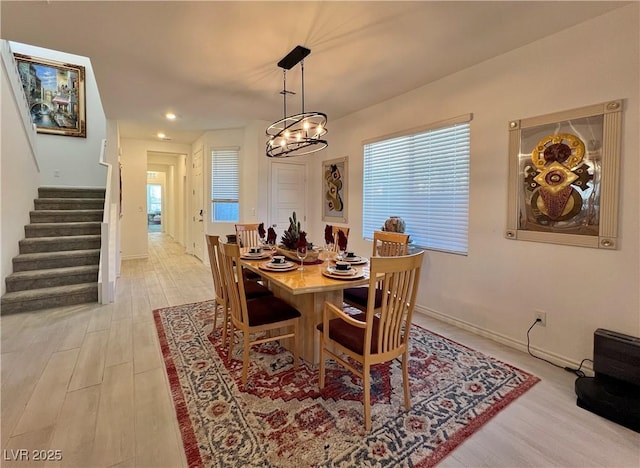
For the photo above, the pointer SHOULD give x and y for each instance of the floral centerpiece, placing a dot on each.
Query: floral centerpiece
(292, 238)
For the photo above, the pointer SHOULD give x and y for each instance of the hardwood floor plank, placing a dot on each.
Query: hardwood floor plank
(75, 430)
(146, 347)
(120, 343)
(18, 452)
(115, 428)
(91, 360)
(44, 405)
(157, 443)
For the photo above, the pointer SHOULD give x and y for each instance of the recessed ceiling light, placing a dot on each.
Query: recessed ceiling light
(161, 135)
(170, 116)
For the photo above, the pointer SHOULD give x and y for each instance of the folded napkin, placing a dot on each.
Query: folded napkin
(328, 234)
(342, 240)
(271, 236)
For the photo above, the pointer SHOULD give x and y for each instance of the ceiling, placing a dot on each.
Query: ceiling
(214, 63)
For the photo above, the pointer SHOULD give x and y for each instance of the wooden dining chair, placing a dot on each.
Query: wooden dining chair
(385, 244)
(247, 235)
(252, 289)
(264, 314)
(374, 336)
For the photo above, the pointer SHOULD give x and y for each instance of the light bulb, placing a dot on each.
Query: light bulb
(286, 134)
(306, 125)
(283, 142)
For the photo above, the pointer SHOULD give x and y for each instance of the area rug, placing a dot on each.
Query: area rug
(282, 419)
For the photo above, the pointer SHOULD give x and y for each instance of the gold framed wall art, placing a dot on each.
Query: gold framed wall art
(55, 93)
(563, 177)
(335, 190)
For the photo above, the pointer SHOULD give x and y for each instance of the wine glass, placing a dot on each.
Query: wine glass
(301, 252)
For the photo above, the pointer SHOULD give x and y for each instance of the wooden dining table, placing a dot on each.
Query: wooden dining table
(307, 291)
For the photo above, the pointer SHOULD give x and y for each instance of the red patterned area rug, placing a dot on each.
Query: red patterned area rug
(282, 419)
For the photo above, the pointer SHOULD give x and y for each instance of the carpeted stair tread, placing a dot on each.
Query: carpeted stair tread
(50, 244)
(49, 277)
(70, 192)
(57, 216)
(44, 298)
(63, 258)
(68, 203)
(76, 228)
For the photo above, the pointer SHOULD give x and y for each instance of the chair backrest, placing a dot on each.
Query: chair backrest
(335, 230)
(213, 247)
(390, 244)
(399, 278)
(247, 235)
(234, 286)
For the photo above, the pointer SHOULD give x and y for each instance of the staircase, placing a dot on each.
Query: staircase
(59, 258)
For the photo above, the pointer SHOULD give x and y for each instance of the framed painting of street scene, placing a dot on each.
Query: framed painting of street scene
(55, 93)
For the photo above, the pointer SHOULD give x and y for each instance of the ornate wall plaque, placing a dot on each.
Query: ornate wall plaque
(563, 177)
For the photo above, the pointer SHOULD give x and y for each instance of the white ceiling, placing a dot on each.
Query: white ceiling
(214, 63)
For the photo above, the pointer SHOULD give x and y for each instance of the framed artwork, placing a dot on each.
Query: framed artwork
(55, 93)
(563, 177)
(334, 190)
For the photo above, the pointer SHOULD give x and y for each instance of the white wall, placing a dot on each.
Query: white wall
(18, 178)
(133, 226)
(75, 159)
(495, 289)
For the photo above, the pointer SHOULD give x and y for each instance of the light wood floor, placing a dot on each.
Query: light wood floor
(90, 381)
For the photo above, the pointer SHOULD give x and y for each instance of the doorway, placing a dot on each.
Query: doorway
(154, 207)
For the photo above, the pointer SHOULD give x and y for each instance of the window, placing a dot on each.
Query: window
(423, 178)
(225, 204)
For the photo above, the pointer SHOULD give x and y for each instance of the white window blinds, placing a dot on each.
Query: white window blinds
(423, 178)
(224, 185)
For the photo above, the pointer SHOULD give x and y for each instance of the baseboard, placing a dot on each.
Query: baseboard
(500, 338)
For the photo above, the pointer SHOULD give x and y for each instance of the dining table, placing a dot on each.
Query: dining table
(307, 290)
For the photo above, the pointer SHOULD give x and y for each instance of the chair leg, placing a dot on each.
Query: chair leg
(321, 370)
(405, 379)
(245, 358)
(366, 387)
(215, 315)
(296, 344)
(225, 324)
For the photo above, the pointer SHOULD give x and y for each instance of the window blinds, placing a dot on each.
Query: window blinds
(224, 184)
(424, 179)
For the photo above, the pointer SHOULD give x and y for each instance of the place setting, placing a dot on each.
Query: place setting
(255, 253)
(278, 263)
(342, 270)
(351, 258)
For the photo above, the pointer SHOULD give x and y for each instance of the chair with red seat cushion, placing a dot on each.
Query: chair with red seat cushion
(378, 335)
(263, 314)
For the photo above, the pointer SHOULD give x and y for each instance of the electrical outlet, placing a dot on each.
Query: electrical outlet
(541, 316)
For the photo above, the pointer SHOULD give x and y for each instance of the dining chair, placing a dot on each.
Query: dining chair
(385, 244)
(270, 317)
(252, 289)
(374, 336)
(247, 235)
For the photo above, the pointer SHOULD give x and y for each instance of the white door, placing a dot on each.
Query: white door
(288, 194)
(197, 205)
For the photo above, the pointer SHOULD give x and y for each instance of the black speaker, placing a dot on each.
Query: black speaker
(614, 392)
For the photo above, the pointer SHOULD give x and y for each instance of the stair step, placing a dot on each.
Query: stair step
(53, 244)
(69, 203)
(67, 258)
(65, 216)
(34, 279)
(62, 229)
(44, 298)
(70, 192)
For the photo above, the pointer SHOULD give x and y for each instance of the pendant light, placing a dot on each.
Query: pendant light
(301, 133)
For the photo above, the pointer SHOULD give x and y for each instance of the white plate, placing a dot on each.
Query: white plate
(278, 266)
(356, 260)
(260, 256)
(288, 266)
(335, 271)
(351, 274)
